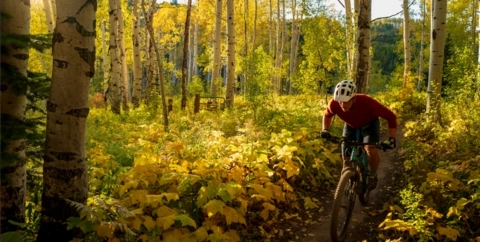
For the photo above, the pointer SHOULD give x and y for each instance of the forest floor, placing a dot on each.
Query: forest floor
(314, 225)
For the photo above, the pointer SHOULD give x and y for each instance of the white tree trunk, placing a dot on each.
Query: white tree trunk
(150, 61)
(195, 49)
(217, 48)
(137, 62)
(13, 103)
(349, 37)
(437, 46)
(270, 29)
(364, 43)
(125, 87)
(54, 11)
(149, 26)
(422, 42)
(65, 160)
(48, 15)
(478, 77)
(406, 45)
(106, 72)
(186, 42)
(230, 89)
(115, 82)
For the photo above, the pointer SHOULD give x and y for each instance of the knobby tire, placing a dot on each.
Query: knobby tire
(343, 205)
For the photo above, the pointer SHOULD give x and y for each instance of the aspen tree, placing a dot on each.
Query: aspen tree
(65, 159)
(13, 103)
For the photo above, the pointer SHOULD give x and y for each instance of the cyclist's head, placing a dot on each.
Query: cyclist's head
(344, 91)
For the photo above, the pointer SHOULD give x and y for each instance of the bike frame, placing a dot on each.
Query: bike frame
(359, 159)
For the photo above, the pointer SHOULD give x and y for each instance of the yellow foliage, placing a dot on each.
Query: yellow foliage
(166, 222)
(170, 196)
(135, 223)
(449, 232)
(164, 211)
(309, 203)
(458, 207)
(138, 196)
(176, 235)
(213, 207)
(399, 225)
(148, 223)
(266, 211)
(201, 234)
(262, 191)
(105, 230)
(445, 176)
(232, 216)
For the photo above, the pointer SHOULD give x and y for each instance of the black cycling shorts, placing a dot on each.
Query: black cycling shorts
(369, 133)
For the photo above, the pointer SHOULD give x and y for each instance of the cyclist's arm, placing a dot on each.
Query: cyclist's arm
(392, 132)
(326, 122)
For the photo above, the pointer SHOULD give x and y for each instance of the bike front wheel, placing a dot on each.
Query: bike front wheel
(343, 205)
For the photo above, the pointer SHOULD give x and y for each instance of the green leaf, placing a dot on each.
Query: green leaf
(73, 222)
(186, 220)
(12, 237)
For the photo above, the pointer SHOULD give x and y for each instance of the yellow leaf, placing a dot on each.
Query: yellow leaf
(138, 196)
(266, 211)
(285, 185)
(262, 191)
(201, 234)
(309, 203)
(135, 223)
(166, 222)
(154, 200)
(172, 236)
(277, 191)
(148, 223)
(202, 196)
(214, 206)
(137, 211)
(291, 168)
(98, 172)
(458, 207)
(445, 176)
(164, 211)
(262, 157)
(232, 236)
(231, 215)
(144, 237)
(104, 230)
(237, 174)
(170, 196)
(449, 232)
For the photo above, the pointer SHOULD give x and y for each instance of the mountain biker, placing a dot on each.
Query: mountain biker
(360, 112)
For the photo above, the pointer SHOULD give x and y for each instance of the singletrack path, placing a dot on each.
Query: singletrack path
(314, 225)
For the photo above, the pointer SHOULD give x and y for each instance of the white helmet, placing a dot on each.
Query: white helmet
(344, 91)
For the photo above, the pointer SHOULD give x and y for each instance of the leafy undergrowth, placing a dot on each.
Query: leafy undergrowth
(442, 162)
(215, 176)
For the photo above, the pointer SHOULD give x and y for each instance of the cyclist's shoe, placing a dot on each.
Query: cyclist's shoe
(371, 182)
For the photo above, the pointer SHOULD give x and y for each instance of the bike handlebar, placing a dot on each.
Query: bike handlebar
(352, 142)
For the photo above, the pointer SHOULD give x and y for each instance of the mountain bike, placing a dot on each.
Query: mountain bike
(353, 181)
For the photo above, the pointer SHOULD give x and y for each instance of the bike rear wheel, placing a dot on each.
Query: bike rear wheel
(343, 205)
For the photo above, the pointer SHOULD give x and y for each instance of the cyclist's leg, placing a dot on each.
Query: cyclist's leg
(371, 134)
(350, 133)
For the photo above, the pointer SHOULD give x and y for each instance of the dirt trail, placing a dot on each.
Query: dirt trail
(314, 225)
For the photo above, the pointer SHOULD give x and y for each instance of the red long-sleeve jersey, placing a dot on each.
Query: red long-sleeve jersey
(364, 110)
